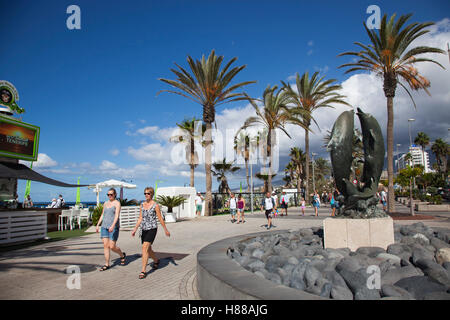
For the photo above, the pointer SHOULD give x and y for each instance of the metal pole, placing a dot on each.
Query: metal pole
(314, 183)
(251, 187)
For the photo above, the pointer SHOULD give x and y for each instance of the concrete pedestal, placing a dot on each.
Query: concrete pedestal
(170, 217)
(356, 233)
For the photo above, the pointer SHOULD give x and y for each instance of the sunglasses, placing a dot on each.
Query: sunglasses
(147, 193)
(110, 194)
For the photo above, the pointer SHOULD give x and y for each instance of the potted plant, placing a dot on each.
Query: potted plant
(170, 202)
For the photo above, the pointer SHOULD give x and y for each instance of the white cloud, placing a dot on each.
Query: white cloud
(115, 152)
(44, 161)
(108, 165)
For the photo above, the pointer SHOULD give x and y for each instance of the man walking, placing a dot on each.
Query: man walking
(198, 204)
(269, 205)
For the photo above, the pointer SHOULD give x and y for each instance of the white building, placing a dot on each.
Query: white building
(418, 157)
(187, 209)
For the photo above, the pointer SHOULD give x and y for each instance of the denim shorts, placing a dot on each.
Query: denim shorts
(233, 212)
(104, 233)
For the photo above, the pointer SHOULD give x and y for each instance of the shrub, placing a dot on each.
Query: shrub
(96, 214)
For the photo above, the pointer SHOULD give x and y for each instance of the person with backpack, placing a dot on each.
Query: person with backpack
(269, 205)
(60, 202)
(316, 203)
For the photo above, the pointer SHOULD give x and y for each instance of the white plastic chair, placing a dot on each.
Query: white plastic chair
(75, 216)
(65, 214)
(84, 214)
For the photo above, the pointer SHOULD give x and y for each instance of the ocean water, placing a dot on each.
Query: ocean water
(70, 204)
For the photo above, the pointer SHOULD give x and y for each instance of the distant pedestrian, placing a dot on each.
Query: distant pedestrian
(232, 204)
(316, 203)
(275, 198)
(284, 203)
(110, 225)
(148, 214)
(324, 197)
(60, 202)
(303, 206)
(199, 204)
(333, 205)
(52, 204)
(269, 205)
(240, 208)
(28, 203)
(383, 198)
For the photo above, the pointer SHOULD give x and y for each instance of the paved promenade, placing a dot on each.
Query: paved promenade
(38, 272)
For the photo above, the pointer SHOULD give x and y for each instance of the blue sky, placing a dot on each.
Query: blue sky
(91, 90)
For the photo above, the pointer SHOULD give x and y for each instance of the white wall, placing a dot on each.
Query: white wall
(186, 210)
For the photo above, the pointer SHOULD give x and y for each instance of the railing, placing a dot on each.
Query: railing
(21, 226)
(129, 215)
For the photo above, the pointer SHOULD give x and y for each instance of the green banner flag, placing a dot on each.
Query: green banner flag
(78, 193)
(28, 186)
(241, 185)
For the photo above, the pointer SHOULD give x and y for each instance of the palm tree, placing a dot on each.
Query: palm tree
(406, 177)
(265, 178)
(441, 149)
(422, 140)
(190, 133)
(311, 94)
(220, 171)
(298, 160)
(289, 173)
(275, 115)
(390, 56)
(208, 85)
(170, 202)
(243, 146)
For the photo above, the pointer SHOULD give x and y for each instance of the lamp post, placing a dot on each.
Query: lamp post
(409, 127)
(314, 183)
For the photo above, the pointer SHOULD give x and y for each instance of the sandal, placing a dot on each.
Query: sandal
(122, 260)
(142, 275)
(155, 265)
(105, 267)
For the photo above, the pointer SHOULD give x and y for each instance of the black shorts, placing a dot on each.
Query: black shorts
(148, 235)
(269, 213)
(284, 205)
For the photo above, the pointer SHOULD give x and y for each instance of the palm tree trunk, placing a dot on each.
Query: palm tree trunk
(411, 209)
(192, 162)
(246, 172)
(390, 153)
(307, 166)
(208, 161)
(269, 148)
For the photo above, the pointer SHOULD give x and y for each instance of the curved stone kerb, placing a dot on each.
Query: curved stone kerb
(221, 278)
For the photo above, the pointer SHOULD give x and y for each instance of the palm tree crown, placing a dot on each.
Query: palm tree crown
(275, 115)
(309, 95)
(391, 56)
(209, 85)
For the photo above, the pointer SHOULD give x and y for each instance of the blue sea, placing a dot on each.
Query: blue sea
(70, 204)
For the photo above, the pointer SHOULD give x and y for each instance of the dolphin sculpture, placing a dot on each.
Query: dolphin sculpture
(340, 148)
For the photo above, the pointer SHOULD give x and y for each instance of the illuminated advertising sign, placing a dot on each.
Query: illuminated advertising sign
(18, 139)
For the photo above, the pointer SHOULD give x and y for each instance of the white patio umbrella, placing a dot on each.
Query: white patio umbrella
(110, 184)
